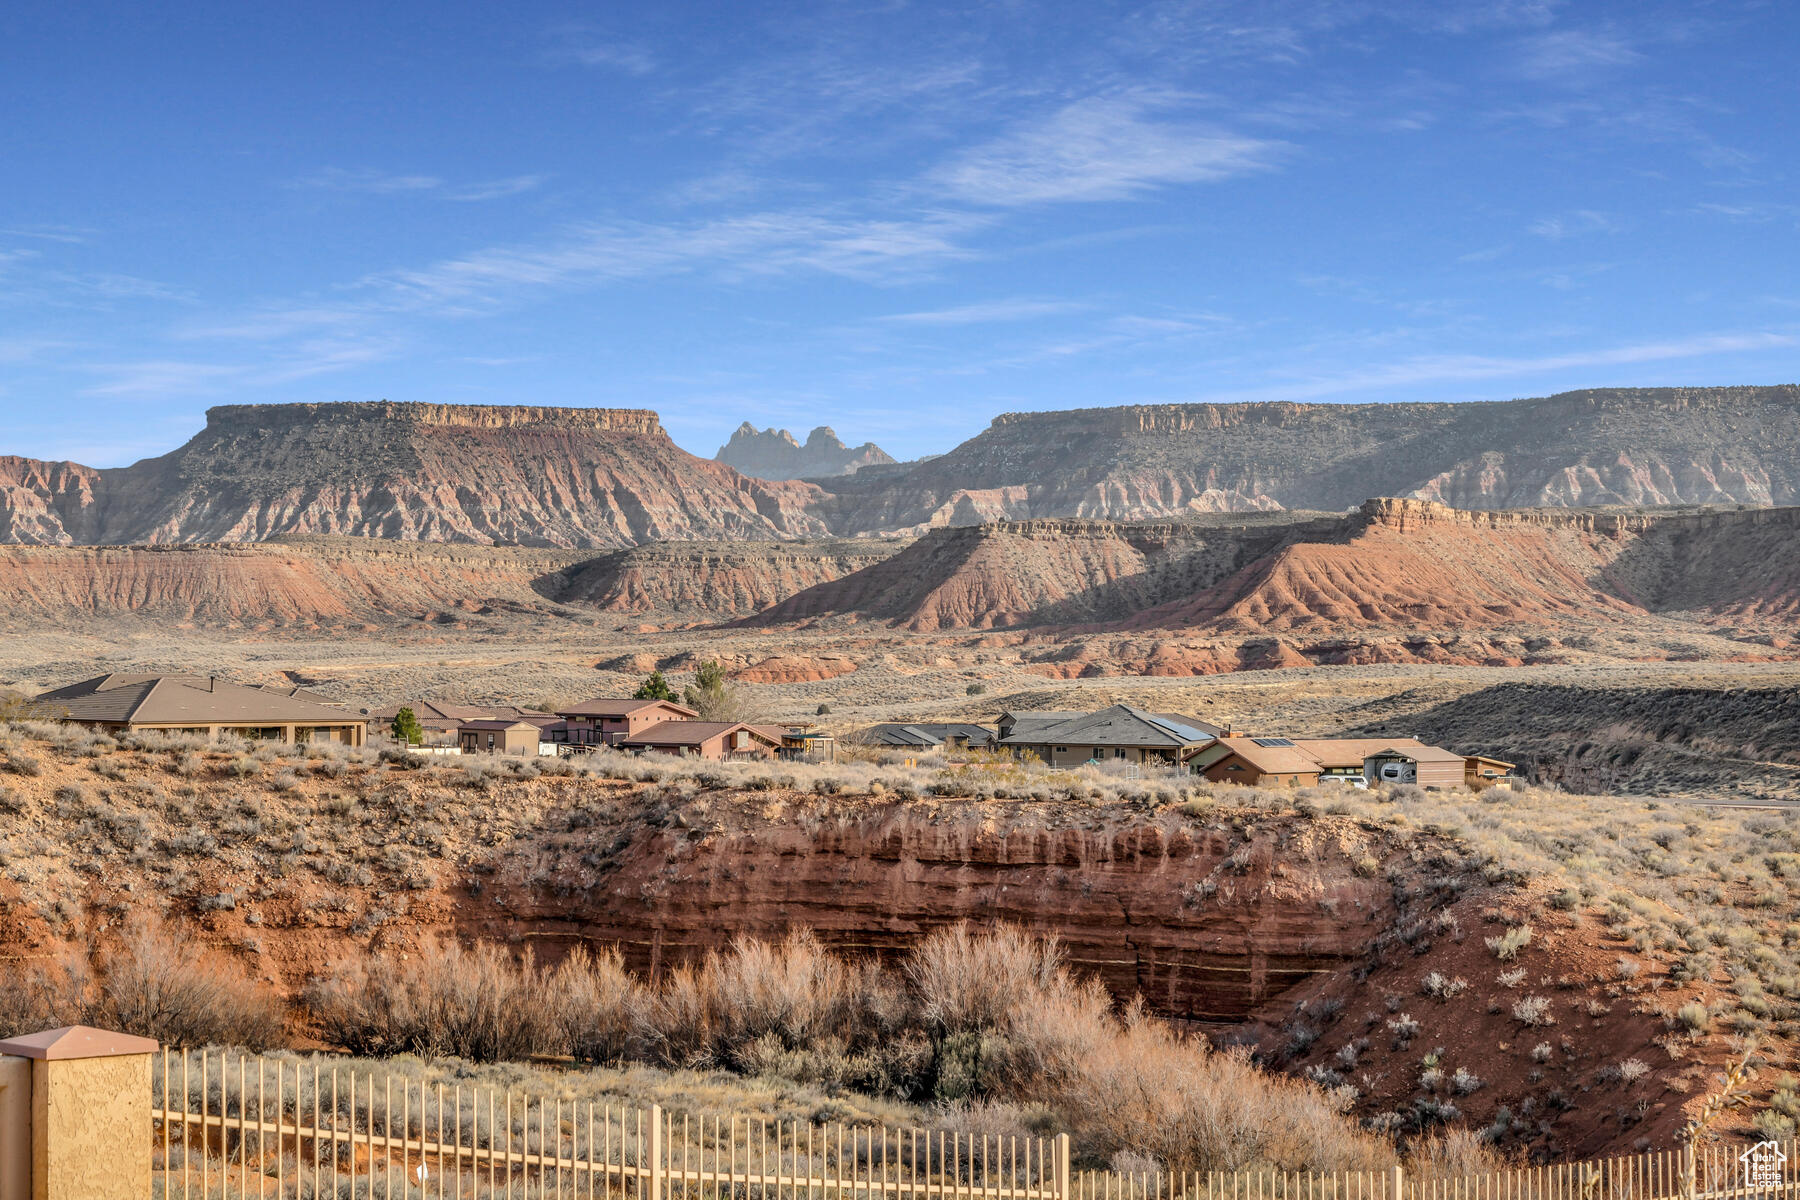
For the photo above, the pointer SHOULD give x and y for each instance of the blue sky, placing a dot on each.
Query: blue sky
(898, 219)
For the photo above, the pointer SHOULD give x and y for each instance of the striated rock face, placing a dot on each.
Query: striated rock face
(1394, 565)
(305, 582)
(419, 472)
(1631, 446)
(715, 580)
(1281, 904)
(1040, 572)
(776, 454)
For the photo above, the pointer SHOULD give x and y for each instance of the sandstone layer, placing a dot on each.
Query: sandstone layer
(1632, 446)
(418, 472)
(605, 478)
(1394, 565)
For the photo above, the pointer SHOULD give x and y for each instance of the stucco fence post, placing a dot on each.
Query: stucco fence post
(75, 1115)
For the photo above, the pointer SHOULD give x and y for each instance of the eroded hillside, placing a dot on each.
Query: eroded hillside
(1307, 922)
(577, 477)
(1636, 446)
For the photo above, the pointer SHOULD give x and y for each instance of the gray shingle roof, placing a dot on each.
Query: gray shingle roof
(929, 733)
(1120, 725)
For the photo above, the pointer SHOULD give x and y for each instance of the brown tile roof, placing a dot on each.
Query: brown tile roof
(606, 706)
(1270, 760)
(497, 724)
(1419, 752)
(1350, 752)
(185, 699)
(693, 733)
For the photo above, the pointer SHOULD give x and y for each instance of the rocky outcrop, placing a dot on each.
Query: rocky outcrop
(1202, 921)
(606, 478)
(1630, 446)
(1398, 581)
(417, 472)
(776, 454)
(1038, 572)
(303, 582)
(714, 580)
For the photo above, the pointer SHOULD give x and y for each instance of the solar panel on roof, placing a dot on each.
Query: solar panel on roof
(1185, 731)
(1272, 741)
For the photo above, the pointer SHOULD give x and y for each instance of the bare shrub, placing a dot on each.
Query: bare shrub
(158, 985)
(1532, 1011)
(472, 1003)
(1453, 1154)
(1506, 947)
(1155, 1092)
(967, 981)
(153, 983)
(597, 1001)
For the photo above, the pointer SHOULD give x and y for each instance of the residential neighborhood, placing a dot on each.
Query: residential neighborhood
(1118, 735)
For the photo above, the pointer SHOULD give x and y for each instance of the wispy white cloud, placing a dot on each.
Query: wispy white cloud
(17, 350)
(71, 234)
(1567, 225)
(161, 377)
(1429, 369)
(495, 189)
(993, 310)
(774, 243)
(370, 182)
(187, 377)
(1100, 148)
(1574, 56)
(585, 46)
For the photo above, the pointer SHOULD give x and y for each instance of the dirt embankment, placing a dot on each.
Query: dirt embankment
(1262, 919)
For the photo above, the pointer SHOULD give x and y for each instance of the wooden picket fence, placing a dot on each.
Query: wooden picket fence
(227, 1126)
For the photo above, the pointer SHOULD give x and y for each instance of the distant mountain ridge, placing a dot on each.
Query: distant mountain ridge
(1625, 446)
(777, 454)
(612, 478)
(575, 477)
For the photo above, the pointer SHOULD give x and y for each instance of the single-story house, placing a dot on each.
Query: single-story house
(1263, 761)
(1432, 766)
(498, 736)
(1345, 757)
(928, 735)
(1480, 771)
(200, 706)
(1122, 733)
(707, 739)
(440, 719)
(605, 721)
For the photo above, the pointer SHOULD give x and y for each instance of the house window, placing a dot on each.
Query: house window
(1062, 749)
(1119, 753)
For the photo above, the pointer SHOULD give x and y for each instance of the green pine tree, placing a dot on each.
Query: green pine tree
(406, 728)
(654, 688)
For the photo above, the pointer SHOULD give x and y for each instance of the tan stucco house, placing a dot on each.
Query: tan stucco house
(202, 706)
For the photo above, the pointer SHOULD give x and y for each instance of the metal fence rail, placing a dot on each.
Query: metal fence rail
(230, 1126)
(240, 1126)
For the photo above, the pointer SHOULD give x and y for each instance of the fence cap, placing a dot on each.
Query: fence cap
(77, 1041)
